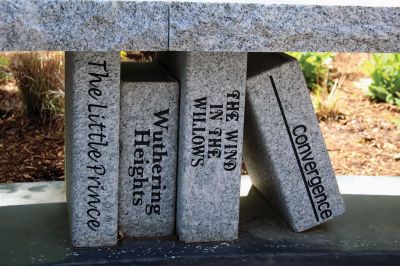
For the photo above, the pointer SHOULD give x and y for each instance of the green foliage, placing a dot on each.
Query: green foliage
(40, 80)
(136, 56)
(384, 70)
(315, 67)
(4, 72)
(317, 71)
(124, 56)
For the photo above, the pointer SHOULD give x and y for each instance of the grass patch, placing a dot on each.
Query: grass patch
(40, 81)
(321, 81)
(5, 74)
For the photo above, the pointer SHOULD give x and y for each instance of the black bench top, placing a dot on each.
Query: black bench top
(368, 234)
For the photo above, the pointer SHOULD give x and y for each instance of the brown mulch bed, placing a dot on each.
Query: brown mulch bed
(365, 140)
(29, 150)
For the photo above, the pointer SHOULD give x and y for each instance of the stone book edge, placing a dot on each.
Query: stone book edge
(92, 151)
(265, 68)
(149, 147)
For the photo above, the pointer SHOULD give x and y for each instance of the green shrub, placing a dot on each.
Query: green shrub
(4, 71)
(385, 73)
(315, 68)
(40, 80)
(319, 76)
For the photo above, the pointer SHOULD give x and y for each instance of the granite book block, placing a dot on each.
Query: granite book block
(284, 150)
(92, 102)
(148, 152)
(210, 142)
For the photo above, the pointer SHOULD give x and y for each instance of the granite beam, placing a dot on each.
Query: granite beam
(83, 25)
(239, 25)
(296, 26)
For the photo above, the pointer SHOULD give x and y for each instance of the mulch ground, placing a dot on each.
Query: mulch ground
(29, 150)
(365, 140)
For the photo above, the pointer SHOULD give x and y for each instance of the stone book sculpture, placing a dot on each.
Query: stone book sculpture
(149, 143)
(210, 143)
(92, 146)
(284, 150)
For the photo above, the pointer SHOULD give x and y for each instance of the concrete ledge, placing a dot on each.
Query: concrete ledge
(54, 192)
(32, 193)
(232, 25)
(369, 185)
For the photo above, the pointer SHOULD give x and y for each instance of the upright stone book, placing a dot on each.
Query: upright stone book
(210, 143)
(149, 144)
(92, 146)
(284, 150)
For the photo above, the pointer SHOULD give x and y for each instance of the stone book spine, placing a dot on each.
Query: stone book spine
(149, 144)
(284, 149)
(92, 146)
(210, 143)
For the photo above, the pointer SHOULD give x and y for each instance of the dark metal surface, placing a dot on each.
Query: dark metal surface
(368, 234)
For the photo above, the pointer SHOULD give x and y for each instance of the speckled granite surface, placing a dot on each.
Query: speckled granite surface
(149, 147)
(283, 149)
(92, 146)
(239, 25)
(210, 143)
(80, 25)
(275, 28)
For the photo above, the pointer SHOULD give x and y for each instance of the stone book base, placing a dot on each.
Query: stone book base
(92, 146)
(149, 144)
(284, 150)
(210, 143)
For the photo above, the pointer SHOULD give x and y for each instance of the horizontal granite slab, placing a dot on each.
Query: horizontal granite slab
(274, 26)
(83, 25)
(227, 25)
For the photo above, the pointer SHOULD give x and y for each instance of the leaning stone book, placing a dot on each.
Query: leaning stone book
(284, 150)
(210, 143)
(149, 144)
(92, 146)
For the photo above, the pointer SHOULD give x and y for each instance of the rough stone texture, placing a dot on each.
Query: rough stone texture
(149, 145)
(212, 106)
(92, 146)
(284, 150)
(80, 25)
(240, 25)
(271, 26)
